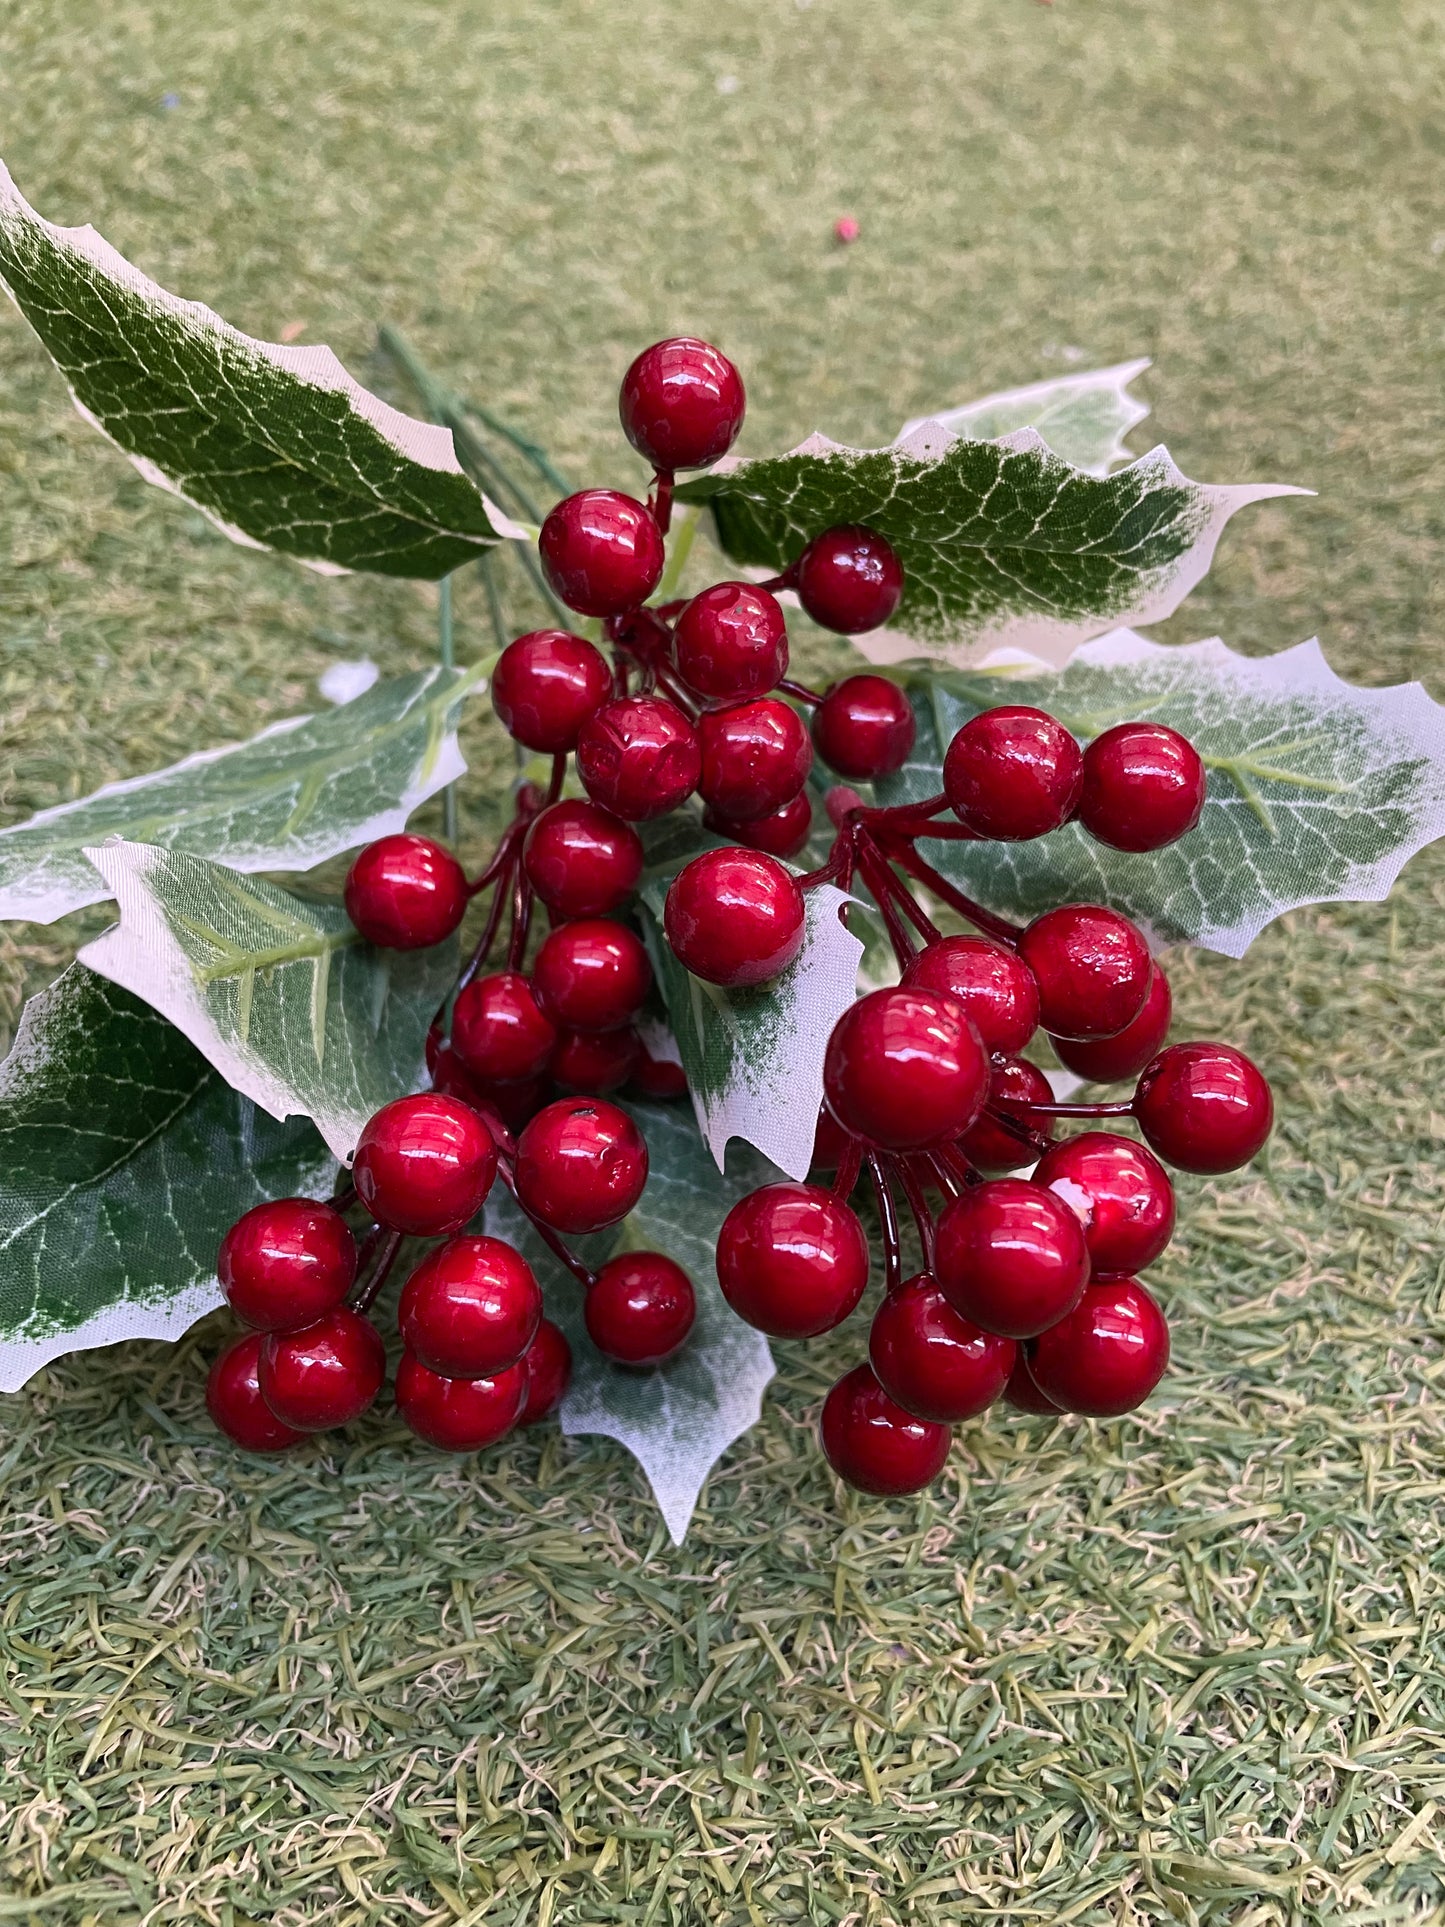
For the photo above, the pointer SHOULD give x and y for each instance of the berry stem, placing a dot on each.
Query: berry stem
(661, 499)
(447, 650)
(900, 892)
(1008, 1120)
(344, 1196)
(948, 1158)
(800, 693)
(907, 858)
(918, 1205)
(389, 1246)
(901, 816)
(581, 1272)
(946, 1177)
(872, 870)
(1121, 1109)
(521, 918)
(849, 1165)
(888, 1218)
(494, 601)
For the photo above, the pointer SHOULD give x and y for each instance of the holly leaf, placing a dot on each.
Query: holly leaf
(1319, 792)
(278, 446)
(1084, 417)
(126, 1158)
(298, 793)
(278, 992)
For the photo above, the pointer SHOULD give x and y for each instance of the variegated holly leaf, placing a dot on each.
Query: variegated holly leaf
(278, 992)
(298, 793)
(1084, 418)
(279, 446)
(1318, 792)
(126, 1157)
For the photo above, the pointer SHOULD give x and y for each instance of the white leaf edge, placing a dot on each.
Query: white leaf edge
(1059, 388)
(343, 682)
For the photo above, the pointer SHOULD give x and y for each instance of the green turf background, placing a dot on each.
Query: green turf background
(1187, 1667)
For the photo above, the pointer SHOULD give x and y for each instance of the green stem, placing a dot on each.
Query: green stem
(494, 601)
(528, 450)
(238, 961)
(447, 649)
(684, 531)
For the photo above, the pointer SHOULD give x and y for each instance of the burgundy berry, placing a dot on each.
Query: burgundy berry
(1011, 1257)
(904, 1069)
(548, 1366)
(1013, 773)
(640, 1308)
(1013, 1084)
(594, 1061)
(499, 1031)
(1107, 1059)
(234, 1401)
(513, 1103)
(1144, 786)
(1120, 1193)
(1021, 1391)
(849, 579)
(581, 859)
(286, 1263)
(581, 1165)
(873, 1444)
(792, 1260)
(864, 728)
(734, 917)
(682, 403)
(1204, 1107)
(1092, 967)
(660, 1078)
(470, 1309)
(602, 552)
(731, 641)
(424, 1164)
(591, 975)
(994, 985)
(325, 1374)
(406, 893)
(1107, 1356)
(459, 1414)
(639, 757)
(781, 833)
(755, 758)
(932, 1361)
(546, 685)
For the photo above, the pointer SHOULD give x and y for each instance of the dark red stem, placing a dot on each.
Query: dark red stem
(888, 1217)
(907, 858)
(899, 890)
(871, 869)
(390, 1245)
(585, 1277)
(800, 693)
(849, 1165)
(1074, 1110)
(661, 503)
(918, 1205)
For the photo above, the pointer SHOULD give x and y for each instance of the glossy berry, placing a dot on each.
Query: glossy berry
(904, 1069)
(932, 1361)
(864, 728)
(734, 917)
(594, 1061)
(548, 1366)
(499, 1030)
(424, 1164)
(873, 1444)
(1013, 1083)
(602, 552)
(470, 1309)
(406, 893)
(661, 1078)
(994, 985)
(325, 1374)
(1092, 967)
(639, 757)
(234, 1401)
(1010, 1256)
(1021, 1391)
(581, 859)
(849, 579)
(640, 1308)
(781, 833)
(286, 1263)
(1107, 1059)
(581, 1165)
(1120, 1193)
(682, 403)
(1144, 786)
(1204, 1107)
(459, 1414)
(792, 1260)
(755, 758)
(731, 641)
(1013, 773)
(591, 975)
(546, 685)
(1107, 1356)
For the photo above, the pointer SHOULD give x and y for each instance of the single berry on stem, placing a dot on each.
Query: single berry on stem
(546, 685)
(601, 552)
(594, 1061)
(424, 1164)
(591, 974)
(792, 1260)
(234, 1401)
(994, 985)
(641, 1308)
(1107, 1059)
(1120, 1193)
(755, 758)
(904, 1069)
(735, 917)
(581, 1165)
(639, 757)
(781, 833)
(849, 579)
(406, 893)
(931, 1360)
(1144, 786)
(1021, 1391)
(1107, 1355)
(286, 1263)
(731, 641)
(1092, 967)
(1204, 1107)
(325, 1374)
(548, 1365)
(1011, 1257)
(864, 728)
(872, 1443)
(682, 403)
(459, 1414)
(1013, 773)
(1013, 1085)
(581, 859)
(499, 1031)
(470, 1309)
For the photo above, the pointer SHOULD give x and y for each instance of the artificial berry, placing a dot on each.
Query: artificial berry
(1204, 1107)
(1010, 1256)
(994, 985)
(735, 917)
(234, 1401)
(459, 1414)
(1120, 1193)
(755, 758)
(424, 1164)
(849, 579)
(1013, 1085)
(594, 1061)
(1013, 773)
(1144, 786)
(1107, 1355)
(874, 1444)
(601, 552)
(864, 728)
(639, 757)
(731, 641)
(904, 1069)
(470, 1309)
(682, 403)
(325, 1374)
(548, 1366)
(1021, 1391)
(660, 1078)
(1092, 967)
(286, 1263)
(1106, 1059)
(499, 1030)
(792, 1260)
(406, 893)
(781, 833)
(546, 685)
(933, 1361)
(581, 1165)
(591, 975)
(640, 1308)
(581, 859)
(512, 1103)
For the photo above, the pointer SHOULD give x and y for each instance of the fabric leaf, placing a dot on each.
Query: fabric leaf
(1084, 418)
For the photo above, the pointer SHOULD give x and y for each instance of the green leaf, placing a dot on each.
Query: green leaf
(126, 1157)
(279, 993)
(298, 793)
(1318, 792)
(278, 446)
(1084, 417)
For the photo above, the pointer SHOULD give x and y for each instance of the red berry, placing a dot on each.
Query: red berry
(864, 728)
(325, 1374)
(499, 1031)
(233, 1398)
(735, 917)
(1125, 1054)
(459, 1414)
(904, 1069)
(286, 1263)
(755, 758)
(731, 641)
(873, 1444)
(1204, 1107)
(548, 1365)
(1013, 773)
(792, 1260)
(546, 685)
(1092, 967)
(1014, 1084)
(682, 403)
(1011, 1257)
(595, 1061)
(640, 1309)
(470, 1309)
(1144, 786)
(581, 859)
(602, 552)
(1107, 1356)
(513, 1104)
(591, 975)
(660, 1078)
(406, 893)
(581, 1165)
(639, 757)
(849, 579)
(1021, 1391)
(994, 985)
(424, 1164)
(1120, 1193)
(933, 1362)
(781, 833)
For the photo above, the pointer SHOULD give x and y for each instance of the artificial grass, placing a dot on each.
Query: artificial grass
(1184, 1666)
